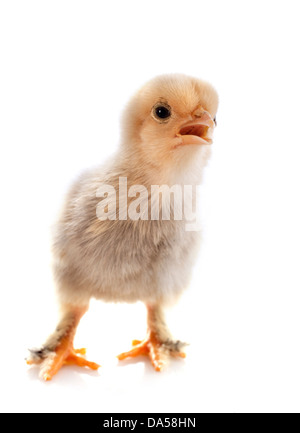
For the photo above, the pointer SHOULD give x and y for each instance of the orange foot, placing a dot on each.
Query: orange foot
(64, 354)
(155, 350)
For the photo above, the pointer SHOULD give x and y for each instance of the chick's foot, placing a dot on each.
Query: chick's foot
(58, 349)
(158, 351)
(52, 361)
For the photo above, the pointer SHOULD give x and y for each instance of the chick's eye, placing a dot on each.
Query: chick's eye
(162, 112)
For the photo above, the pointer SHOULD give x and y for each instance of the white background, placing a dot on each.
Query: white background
(67, 69)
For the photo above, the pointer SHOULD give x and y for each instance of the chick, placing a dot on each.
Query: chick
(166, 135)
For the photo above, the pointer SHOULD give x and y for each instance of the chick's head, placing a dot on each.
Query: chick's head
(170, 117)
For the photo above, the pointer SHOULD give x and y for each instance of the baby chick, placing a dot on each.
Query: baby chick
(166, 135)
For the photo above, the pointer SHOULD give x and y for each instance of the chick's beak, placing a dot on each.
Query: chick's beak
(198, 131)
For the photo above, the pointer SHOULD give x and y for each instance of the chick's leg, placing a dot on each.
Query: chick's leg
(158, 345)
(58, 349)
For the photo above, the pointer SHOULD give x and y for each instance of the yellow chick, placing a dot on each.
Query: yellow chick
(108, 247)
